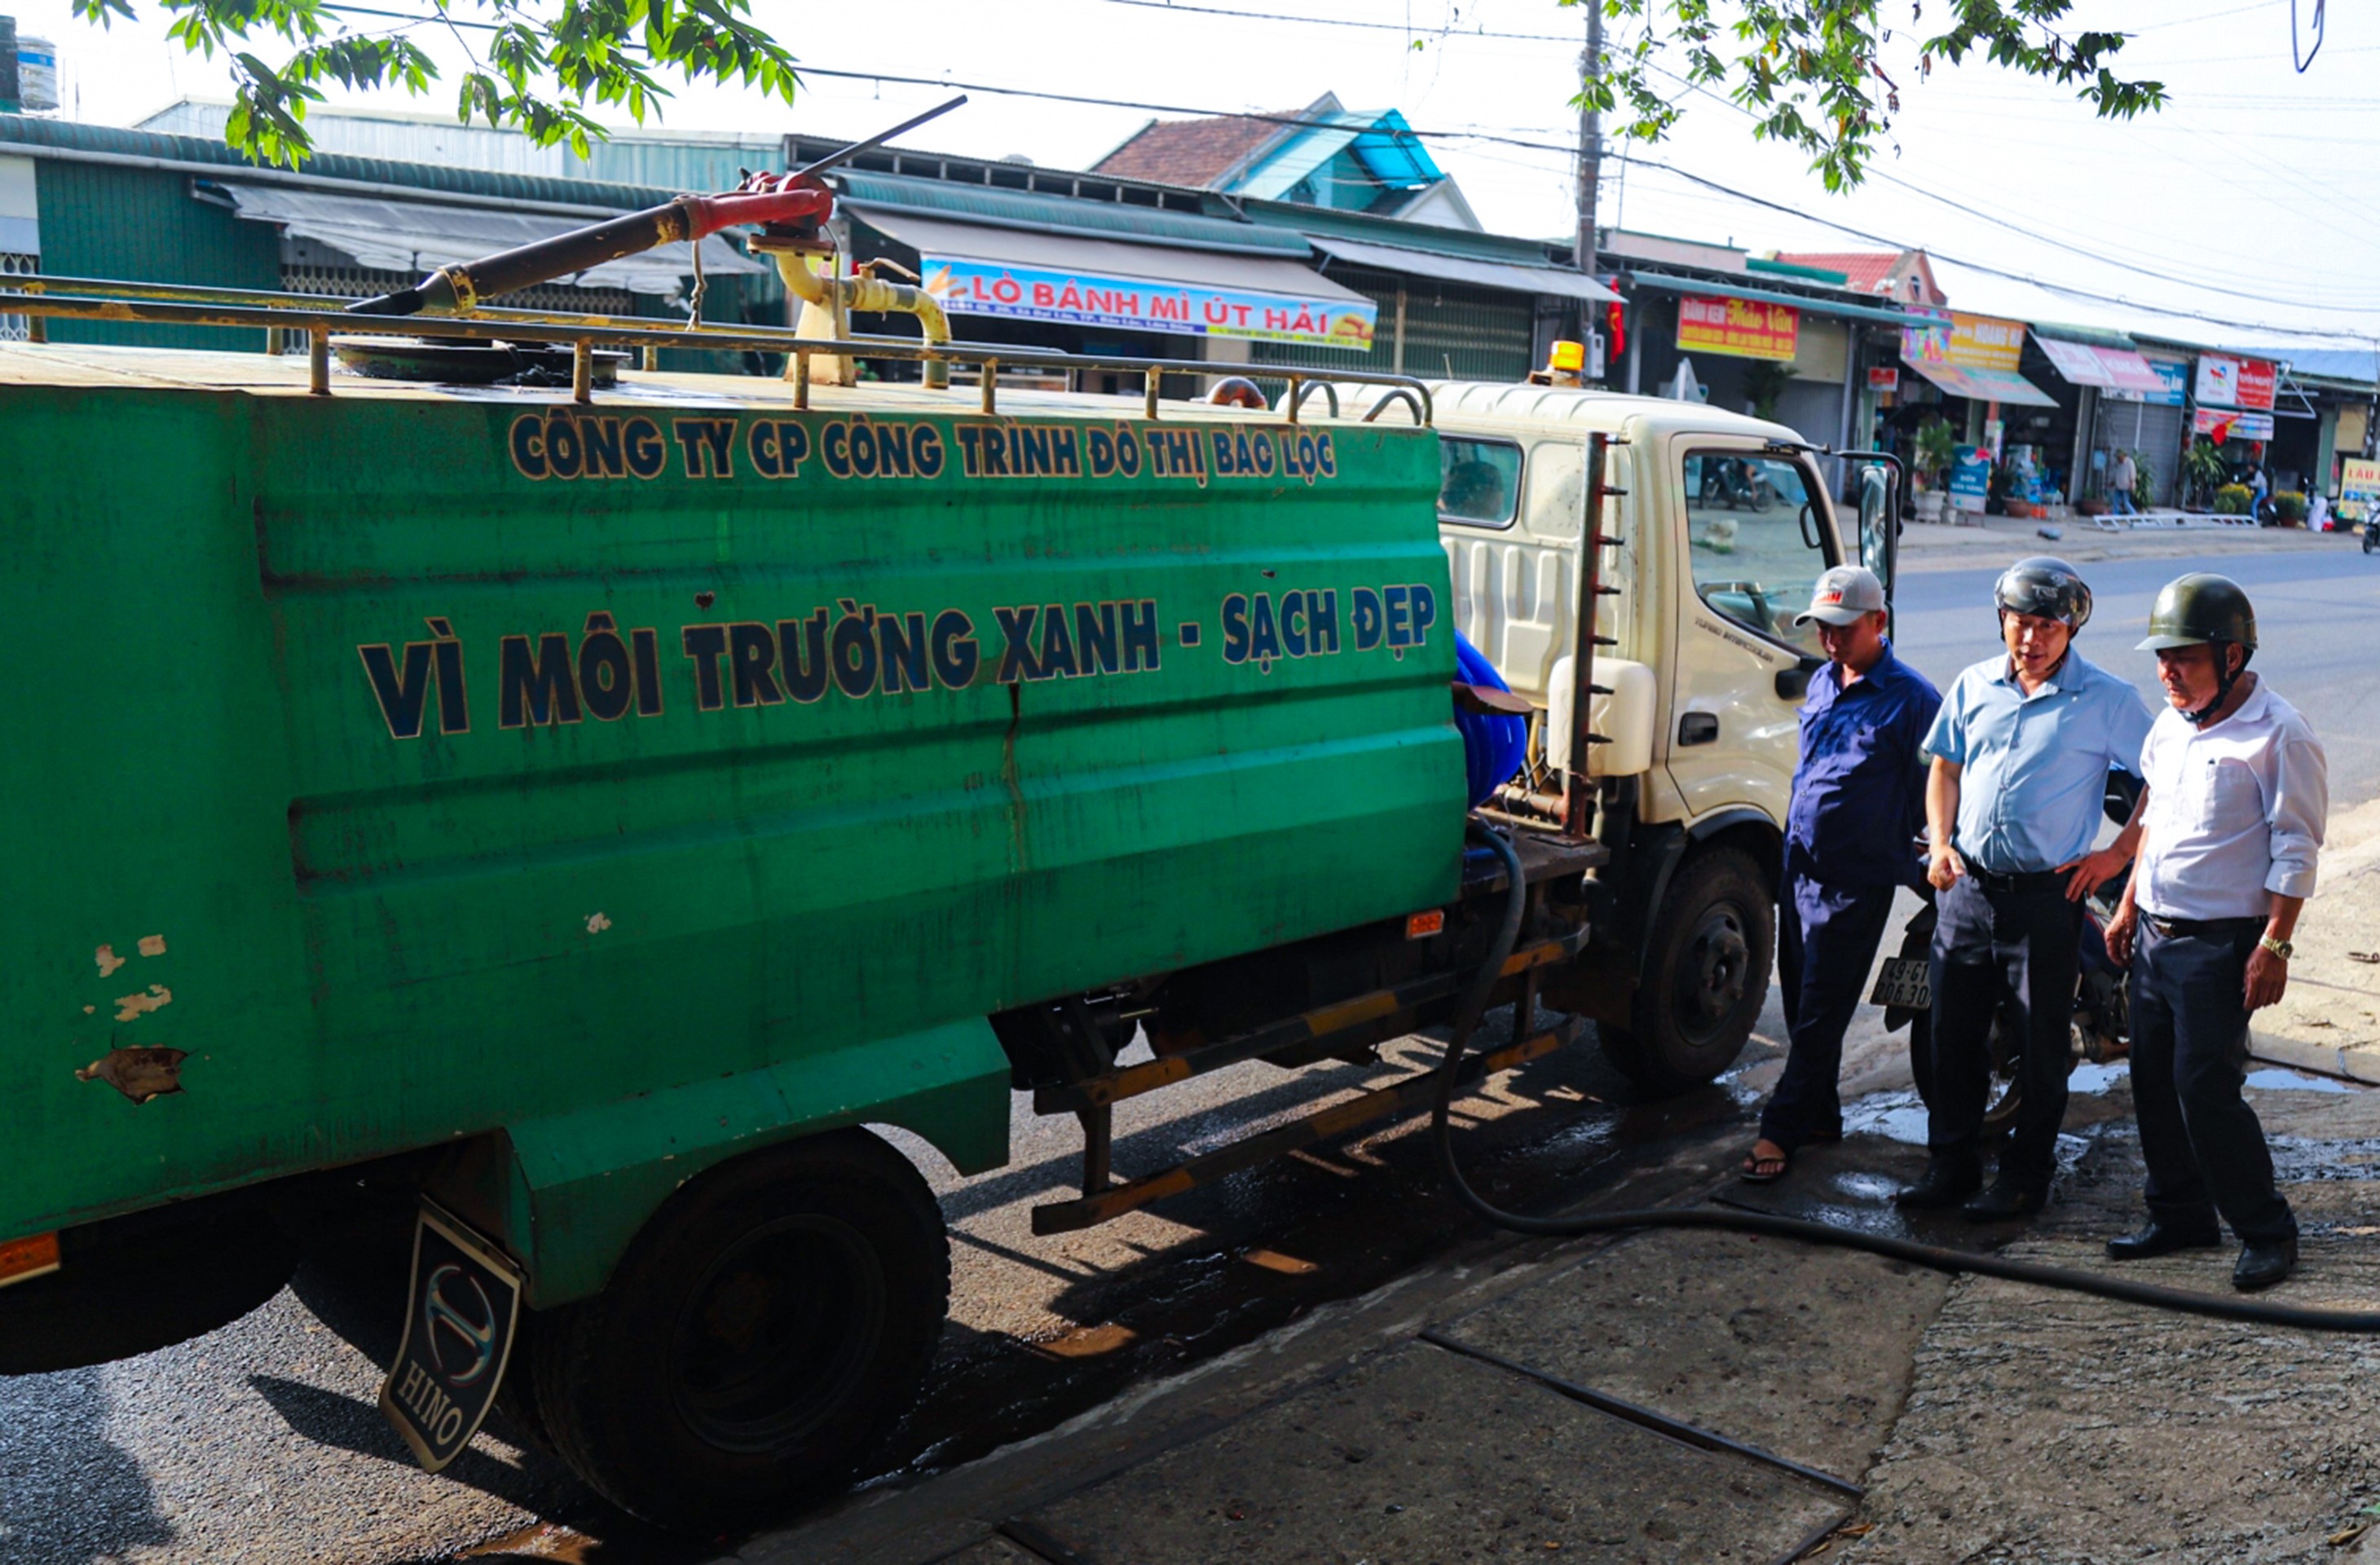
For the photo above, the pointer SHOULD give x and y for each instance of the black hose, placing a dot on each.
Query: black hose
(1934, 1256)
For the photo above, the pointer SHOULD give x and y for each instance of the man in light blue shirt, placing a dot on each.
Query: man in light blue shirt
(2020, 753)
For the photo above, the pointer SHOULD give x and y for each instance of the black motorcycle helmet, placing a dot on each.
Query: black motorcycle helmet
(2047, 587)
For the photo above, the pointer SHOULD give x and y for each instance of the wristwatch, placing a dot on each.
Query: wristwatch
(2281, 949)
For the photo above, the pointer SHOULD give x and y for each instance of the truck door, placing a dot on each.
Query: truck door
(1752, 533)
(1509, 520)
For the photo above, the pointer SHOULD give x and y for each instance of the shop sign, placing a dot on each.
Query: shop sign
(1744, 328)
(2176, 380)
(2224, 424)
(2226, 382)
(1028, 293)
(2359, 478)
(1971, 342)
(1883, 378)
(1971, 477)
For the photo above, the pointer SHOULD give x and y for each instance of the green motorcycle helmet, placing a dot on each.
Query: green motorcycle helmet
(2200, 607)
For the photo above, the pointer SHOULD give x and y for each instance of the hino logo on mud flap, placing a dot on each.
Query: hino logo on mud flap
(458, 1333)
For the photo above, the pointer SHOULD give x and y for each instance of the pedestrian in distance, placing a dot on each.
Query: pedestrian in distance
(2122, 479)
(2020, 753)
(1849, 834)
(2238, 792)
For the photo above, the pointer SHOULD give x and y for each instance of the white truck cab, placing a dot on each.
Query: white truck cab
(1723, 524)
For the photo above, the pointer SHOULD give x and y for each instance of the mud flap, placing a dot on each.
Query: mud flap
(459, 1317)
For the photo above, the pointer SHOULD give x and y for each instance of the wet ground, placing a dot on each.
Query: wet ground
(260, 1441)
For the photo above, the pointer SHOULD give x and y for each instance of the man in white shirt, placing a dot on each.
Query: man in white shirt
(2230, 827)
(2121, 481)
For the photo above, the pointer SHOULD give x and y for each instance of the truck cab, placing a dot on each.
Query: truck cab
(1719, 524)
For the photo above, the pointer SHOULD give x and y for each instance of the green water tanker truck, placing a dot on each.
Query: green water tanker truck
(565, 812)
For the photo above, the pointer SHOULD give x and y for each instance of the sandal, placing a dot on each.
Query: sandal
(1758, 1170)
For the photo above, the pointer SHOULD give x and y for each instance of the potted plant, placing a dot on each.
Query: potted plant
(2290, 506)
(1936, 448)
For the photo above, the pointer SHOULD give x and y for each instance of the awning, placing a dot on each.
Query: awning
(981, 269)
(1560, 281)
(1985, 385)
(1815, 305)
(418, 237)
(2086, 364)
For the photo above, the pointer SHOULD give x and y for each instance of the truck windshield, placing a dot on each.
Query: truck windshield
(1756, 541)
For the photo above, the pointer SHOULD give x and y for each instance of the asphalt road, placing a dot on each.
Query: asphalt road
(261, 1441)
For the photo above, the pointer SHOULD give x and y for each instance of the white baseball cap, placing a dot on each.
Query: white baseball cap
(1844, 595)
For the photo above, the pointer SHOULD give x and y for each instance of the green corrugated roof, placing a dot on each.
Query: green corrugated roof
(1833, 279)
(35, 134)
(1460, 242)
(1062, 215)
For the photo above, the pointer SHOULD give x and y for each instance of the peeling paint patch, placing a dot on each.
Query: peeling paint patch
(598, 924)
(139, 1074)
(132, 1007)
(153, 945)
(108, 961)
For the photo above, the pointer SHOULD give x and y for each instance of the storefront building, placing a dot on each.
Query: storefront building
(2121, 401)
(1971, 371)
(1778, 340)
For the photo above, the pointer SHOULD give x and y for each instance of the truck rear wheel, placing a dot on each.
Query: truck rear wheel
(1706, 976)
(764, 1334)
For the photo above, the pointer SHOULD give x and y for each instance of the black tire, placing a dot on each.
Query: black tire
(1706, 976)
(766, 1331)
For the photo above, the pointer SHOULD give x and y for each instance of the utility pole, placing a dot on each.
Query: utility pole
(1590, 138)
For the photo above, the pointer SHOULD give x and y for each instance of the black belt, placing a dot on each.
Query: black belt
(2197, 929)
(2024, 881)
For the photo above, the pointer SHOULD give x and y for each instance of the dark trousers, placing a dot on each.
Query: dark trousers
(2205, 1150)
(1825, 944)
(2020, 946)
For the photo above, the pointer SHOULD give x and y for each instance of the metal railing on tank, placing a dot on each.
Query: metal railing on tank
(318, 321)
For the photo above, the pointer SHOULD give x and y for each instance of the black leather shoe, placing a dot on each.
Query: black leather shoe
(1945, 1184)
(2162, 1239)
(2004, 1200)
(2262, 1264)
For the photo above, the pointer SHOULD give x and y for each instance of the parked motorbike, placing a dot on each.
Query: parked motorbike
(2371, 528)
(2100, 1029)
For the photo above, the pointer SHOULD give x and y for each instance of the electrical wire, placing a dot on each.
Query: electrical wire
(2319, 32)
(1531, 144)
(1934, 1258)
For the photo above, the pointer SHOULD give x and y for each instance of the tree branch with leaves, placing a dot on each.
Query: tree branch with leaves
(538, 68)
(1811, 72)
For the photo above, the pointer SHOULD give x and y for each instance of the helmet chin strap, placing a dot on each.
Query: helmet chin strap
(2225, 677)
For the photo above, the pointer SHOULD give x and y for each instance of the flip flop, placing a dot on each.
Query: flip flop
(1754, 1164)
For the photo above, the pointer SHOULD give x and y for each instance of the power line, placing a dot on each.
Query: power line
(1532, 145)
(1449, 31)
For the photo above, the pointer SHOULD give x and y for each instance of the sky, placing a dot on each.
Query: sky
(2249, 200)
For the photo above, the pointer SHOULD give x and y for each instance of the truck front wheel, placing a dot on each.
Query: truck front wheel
(764, 1334)
(1706, 976)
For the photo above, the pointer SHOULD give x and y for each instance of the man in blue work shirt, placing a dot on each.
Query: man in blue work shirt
(2020, 753)
(1849, 836)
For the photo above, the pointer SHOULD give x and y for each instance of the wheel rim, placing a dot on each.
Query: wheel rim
(777, 1333)
(1712, 972)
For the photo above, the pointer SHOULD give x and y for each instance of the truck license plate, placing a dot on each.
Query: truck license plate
(459, 1335)
(1904, 982)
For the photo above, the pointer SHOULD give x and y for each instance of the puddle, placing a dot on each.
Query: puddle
(2093, 1081)
(2274, 1079)
(1896, 1116)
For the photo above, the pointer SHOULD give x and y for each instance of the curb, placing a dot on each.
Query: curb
(2356, 1065)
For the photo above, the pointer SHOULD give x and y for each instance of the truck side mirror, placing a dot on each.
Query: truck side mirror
(1793, 684)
